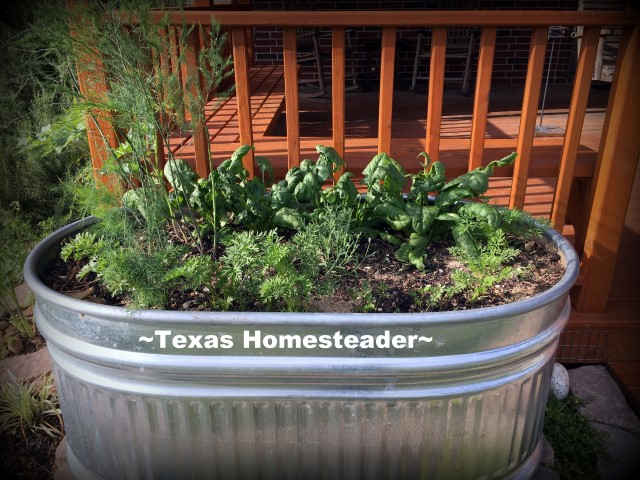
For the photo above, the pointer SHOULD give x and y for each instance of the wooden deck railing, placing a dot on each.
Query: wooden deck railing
(604, 206)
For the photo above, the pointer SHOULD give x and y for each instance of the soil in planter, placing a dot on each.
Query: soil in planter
(380, 283)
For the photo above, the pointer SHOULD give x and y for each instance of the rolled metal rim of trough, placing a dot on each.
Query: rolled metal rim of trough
(35, 263)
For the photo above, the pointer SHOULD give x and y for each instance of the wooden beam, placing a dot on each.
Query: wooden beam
(575, 120)
(481, 99)
(615, 180)
(385, 106)
(529, 115)
(436, 89)
(399, 18)
(291, 96)
(240, 66)
(337, 88)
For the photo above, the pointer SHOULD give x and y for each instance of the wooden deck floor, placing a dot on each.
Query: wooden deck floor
(612, 337)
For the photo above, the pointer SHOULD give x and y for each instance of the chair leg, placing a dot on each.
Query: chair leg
(416, 62)
(466, 79)
(352, 66)
(316, 51)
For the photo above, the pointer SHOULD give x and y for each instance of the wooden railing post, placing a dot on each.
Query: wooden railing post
(337, 88)
(615, 180)
(291, 96)
(92, 84)
(192, 81)
(385, 105)
(436, 88)
(481, 99)
(243, 94)
(575, 121)
(528, 115)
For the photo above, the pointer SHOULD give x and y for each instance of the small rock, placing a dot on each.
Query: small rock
(548, 458)
(27, 367)
(28, 312)
(15, 345)
(3, 324)
(559, 382)
(11, 330)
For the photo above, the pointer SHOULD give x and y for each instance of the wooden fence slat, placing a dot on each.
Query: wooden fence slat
(575, 120)
(337, 89)
(528, 116)
(193, 88)
(481, 99)
(436, 89)
(615, 180)
(239, 41)
(291, 96)
(385, 106)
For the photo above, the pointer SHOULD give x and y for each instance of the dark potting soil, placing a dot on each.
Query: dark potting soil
(380, 283)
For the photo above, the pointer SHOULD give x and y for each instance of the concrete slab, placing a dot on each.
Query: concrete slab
(604, 402)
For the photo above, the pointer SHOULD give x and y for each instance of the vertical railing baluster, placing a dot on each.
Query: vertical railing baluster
(615, 181)
(337, 89)
(239, 40)
(193, 89)
(581, 224)
(481, 99)
(436, 88)
(385, 106)
(291, 96)
(575, 120)
(528, 116)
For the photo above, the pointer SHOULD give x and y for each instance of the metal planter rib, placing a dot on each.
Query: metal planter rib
(162, 394)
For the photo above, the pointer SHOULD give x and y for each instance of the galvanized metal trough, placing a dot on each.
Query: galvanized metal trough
(162, 394)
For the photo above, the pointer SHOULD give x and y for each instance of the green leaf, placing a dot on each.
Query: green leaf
(482, 211)
(504, 162)
(418, 241)
(465, 240)
(390, 238)
(416, 258)
(394, 216)
(450, 197)
(180, 176)
(266, 169)
(288, 218)
(422, 216)
(402, 253)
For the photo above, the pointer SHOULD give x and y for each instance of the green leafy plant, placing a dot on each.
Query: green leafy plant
(577, 445)
(29, 406)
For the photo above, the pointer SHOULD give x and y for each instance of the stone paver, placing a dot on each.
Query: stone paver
(604, 402)
(623, 448)
(27, 367)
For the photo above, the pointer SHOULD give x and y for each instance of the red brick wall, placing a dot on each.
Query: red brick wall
(512, 45)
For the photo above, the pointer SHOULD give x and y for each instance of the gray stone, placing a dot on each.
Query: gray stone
(27, 367)
(603, 401)
(623, 447)
(544, 473)
(559, 382)
(548, 458)
(3, 324)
